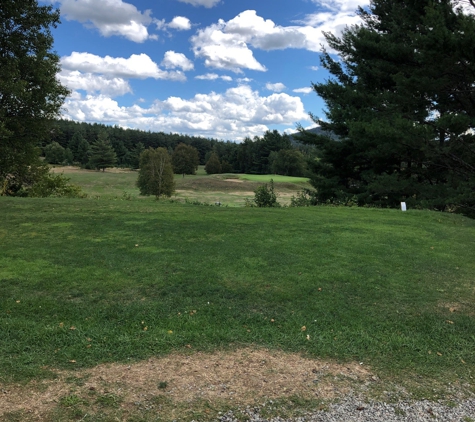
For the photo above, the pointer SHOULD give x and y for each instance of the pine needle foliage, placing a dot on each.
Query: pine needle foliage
(401, 101)
(102, 154)
(213, 165)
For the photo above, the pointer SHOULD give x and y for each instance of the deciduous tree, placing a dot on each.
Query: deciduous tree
(288, 162)
(30, 93)
(54, 153)
(156, 173)
(185, 159)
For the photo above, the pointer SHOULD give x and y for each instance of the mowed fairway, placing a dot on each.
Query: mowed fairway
(84, 281)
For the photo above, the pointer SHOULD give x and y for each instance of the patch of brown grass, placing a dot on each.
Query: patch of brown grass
(239, 378)
(73, 169)
(461, 307)
(210, 183)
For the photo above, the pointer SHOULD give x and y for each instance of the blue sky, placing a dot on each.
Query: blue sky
(225, 69)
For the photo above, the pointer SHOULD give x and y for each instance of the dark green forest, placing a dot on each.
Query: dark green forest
(72, 143)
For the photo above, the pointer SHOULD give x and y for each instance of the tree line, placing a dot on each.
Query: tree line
(83, 144)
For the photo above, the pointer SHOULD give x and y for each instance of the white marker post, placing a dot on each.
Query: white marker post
(403, 206)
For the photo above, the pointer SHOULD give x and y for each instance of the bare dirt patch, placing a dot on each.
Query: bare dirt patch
(234, 180)
(240, 377)
(191, 193)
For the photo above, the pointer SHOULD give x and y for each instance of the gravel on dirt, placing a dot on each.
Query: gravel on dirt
(352, 409)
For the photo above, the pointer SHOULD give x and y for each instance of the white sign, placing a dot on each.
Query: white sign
(403, 206)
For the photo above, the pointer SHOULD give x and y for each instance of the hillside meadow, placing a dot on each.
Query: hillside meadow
(88, 285)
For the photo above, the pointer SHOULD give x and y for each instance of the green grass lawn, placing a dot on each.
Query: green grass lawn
(392, 290)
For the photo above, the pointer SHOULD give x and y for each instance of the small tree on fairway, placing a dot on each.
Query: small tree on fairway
(102, 153)
(156, 173)
(213, 166)
(185, 159)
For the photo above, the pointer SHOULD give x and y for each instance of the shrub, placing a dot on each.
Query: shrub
(303, 199)
(265, 196)
(55, 185)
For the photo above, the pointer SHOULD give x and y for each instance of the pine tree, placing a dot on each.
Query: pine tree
(74, 143)
(102, 153)
(135, 155)
(402, 104)
(83, 152)
(121, 152)
(213, 166)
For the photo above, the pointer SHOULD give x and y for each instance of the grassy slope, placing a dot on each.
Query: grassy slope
(376, 286)
(200, 187)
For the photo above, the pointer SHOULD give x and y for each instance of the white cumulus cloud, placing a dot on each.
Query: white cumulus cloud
(180, 23)
(206, 3)
(173, 60)
(139, 66)
(90, 83)
(234, 114)
(110, 17)
(100, 108)
(228, 45)
(306, 90)
(265, 34)
(214, 76)
(342, 5)
(340, 14)
(277, 87)
(221, 50)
